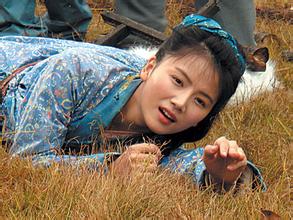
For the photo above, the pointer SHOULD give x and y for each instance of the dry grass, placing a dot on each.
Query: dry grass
(263, 127)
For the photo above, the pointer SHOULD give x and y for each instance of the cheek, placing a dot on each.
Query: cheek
(196, 115)
(160, 88)
(166, 88)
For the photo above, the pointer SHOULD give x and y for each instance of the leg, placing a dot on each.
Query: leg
(69, 18)
(18, 18)
(150, 13)
(237, 17)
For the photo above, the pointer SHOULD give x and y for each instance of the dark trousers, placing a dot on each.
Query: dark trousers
(147, 12)
(67, 18)
(238, 17)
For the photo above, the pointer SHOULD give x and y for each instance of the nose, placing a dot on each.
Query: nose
(179, 101)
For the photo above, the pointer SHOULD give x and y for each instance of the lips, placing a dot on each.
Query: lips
(168, 114)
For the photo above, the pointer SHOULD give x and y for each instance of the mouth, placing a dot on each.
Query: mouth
(168, 114)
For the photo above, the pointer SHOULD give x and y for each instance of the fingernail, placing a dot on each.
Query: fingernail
(230, 168)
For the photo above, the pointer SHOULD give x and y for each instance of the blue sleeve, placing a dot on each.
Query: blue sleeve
(46, 103)
(94, 162)
(16, 51)
(189, 162)
(54, 98)
(186, 162)
(258, 178)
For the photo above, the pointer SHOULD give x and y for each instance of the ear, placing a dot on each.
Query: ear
(148, 68)
(261, 54)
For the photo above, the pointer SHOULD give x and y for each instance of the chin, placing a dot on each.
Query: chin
(161, 131)
(158, 128)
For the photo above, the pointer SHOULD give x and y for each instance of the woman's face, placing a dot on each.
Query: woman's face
(175, 94)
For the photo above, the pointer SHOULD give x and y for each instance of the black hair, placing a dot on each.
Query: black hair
(192, 40)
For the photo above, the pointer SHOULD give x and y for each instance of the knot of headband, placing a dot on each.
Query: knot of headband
(213, 27)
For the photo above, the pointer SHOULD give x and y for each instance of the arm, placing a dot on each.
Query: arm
(227, 167)
(207, 167)
(55, 97)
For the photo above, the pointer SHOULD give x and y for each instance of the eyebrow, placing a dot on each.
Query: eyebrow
(208, 97)
(189, 80)
(184, 74)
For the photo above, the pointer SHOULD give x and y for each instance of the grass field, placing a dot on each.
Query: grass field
(263, 127)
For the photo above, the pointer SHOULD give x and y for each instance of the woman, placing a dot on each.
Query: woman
(63, 96)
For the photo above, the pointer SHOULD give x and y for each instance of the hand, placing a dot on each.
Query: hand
(137, 158)
(224, 160)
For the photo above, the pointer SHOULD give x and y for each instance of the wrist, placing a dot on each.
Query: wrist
(221, 185)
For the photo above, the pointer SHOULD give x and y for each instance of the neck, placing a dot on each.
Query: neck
(131, 112)
(123, 123)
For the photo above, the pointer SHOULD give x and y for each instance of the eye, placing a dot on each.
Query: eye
(177, 81)
(200, 102)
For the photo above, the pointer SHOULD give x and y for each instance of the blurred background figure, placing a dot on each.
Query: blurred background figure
(66, 19)
(237, 17)
(149, 13)
(70, 19)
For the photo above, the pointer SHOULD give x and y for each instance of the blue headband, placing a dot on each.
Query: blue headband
(213, 27)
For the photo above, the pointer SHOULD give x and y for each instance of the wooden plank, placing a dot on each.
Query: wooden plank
(112, 38)
(126, 26)
(209, 9)
(135, 28)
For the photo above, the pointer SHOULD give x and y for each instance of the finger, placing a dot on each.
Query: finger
(220, 139)
(242, 161)
(140, 158)
(240, 164)
(146, 168)
(236, 152)
(223, 144)
(210, 151)
(233, 150)
(146, 148)
(242, 153)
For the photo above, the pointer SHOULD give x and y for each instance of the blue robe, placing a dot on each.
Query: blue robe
(71, 94)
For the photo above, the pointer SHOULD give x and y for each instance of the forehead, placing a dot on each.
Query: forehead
(198, 66)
